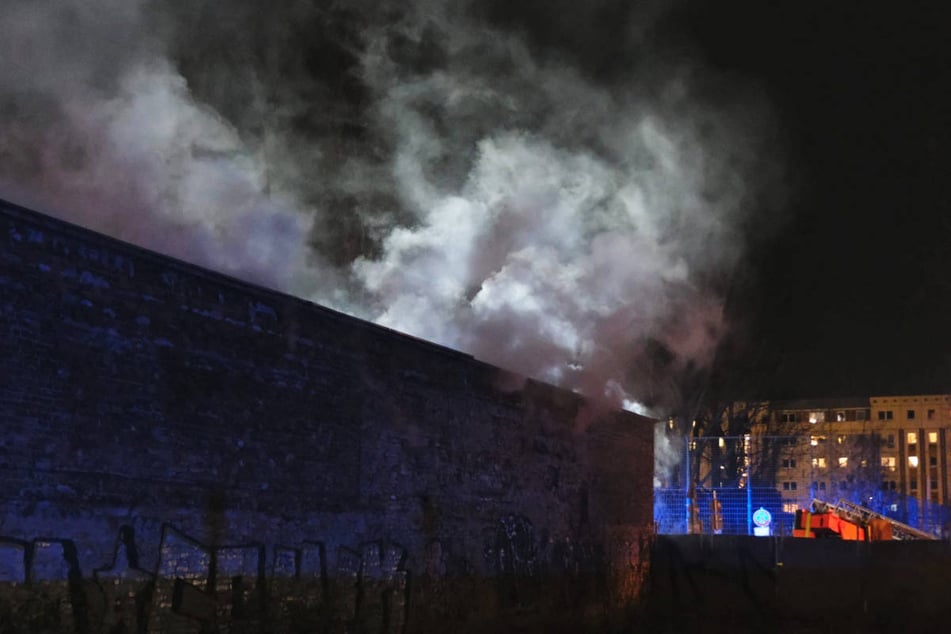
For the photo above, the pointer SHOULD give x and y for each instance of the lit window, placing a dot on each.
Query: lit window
(840, 439)
(721, 443)
(933, 437)
(888, 462)
(912, 461)
(843, 461)
(817, 417)
(839, 416)
(819, 462)
(790, 507)
(863, 463)
(912, 438)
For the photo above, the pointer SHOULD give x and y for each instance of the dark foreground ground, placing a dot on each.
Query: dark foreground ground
(694, 584)
(710, 584)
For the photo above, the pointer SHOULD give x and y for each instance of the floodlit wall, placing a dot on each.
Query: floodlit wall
(181, 451)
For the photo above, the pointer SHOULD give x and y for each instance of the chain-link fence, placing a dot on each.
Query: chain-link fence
(719, 484)
(729, 511)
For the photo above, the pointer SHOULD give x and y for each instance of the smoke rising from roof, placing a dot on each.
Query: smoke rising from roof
(509, 182)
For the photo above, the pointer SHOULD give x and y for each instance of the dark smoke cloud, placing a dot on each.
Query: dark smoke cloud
(555, 187)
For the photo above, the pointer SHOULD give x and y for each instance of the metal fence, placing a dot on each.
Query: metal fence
(676, 512)
(720, 484)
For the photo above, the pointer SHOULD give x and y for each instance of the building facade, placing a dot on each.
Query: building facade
(886, 452)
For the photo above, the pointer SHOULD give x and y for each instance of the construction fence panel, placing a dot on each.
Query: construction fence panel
(727, 511)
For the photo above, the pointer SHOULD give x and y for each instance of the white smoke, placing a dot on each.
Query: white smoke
(486, 193)
(588, 223)
(668, 454)
(103, 130)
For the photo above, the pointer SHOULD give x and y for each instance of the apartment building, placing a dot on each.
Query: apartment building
(889, 452)
(914, 430)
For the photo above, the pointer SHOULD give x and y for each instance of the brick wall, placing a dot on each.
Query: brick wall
(181, 451)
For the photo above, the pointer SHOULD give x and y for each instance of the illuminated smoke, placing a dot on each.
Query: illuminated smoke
(668, 453)
(568, 228)
(438, 168)
(100, 128)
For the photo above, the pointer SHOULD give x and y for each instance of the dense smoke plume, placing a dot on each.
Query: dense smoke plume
(556, 188)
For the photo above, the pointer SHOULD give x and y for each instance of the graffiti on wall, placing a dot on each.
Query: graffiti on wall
(199, 589)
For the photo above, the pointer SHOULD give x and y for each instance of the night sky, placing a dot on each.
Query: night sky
(852, 296)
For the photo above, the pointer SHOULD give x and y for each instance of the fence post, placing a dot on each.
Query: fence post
(687, 517)
(716, 515)
(749, 504)
(747, 450)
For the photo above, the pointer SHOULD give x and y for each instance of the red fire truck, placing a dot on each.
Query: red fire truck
(846, 520)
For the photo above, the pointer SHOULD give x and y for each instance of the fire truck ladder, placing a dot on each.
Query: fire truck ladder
(861, 515)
